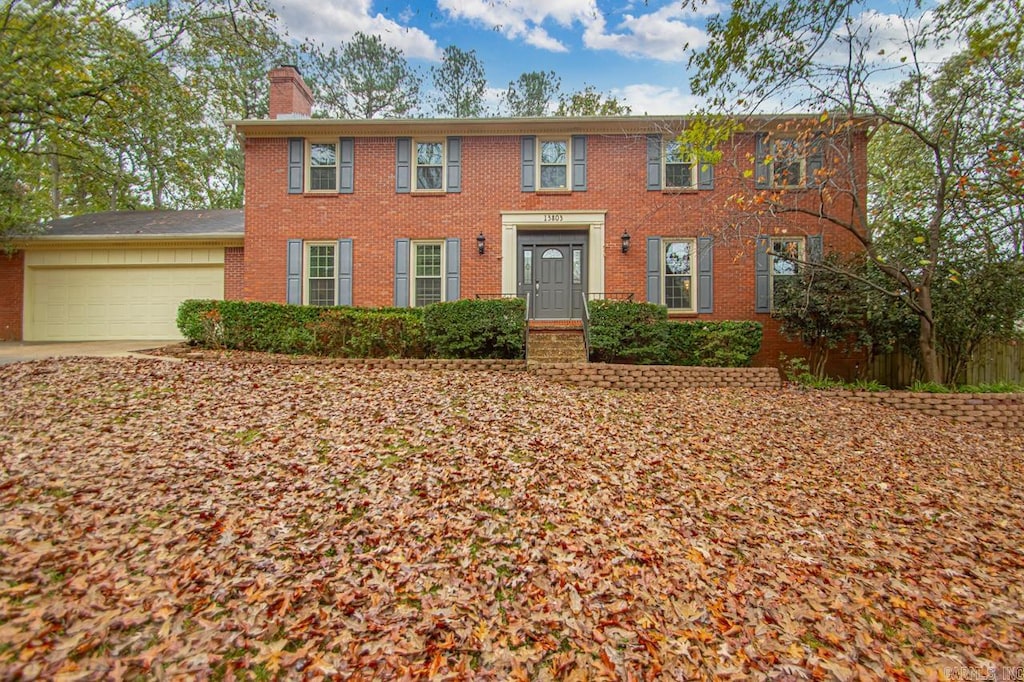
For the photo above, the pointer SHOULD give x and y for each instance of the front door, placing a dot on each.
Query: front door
(552, 289)
(551, 271)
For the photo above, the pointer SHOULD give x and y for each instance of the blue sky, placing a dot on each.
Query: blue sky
(632, 50)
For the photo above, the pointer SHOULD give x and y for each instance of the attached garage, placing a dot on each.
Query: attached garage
(122, 276)
(100, 294)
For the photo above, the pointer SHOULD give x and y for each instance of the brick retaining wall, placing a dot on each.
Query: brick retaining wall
(1005, 410)
(656, 377)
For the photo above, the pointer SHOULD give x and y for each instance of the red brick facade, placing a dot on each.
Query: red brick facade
(374, 215)
(234, 271)
(12, 284)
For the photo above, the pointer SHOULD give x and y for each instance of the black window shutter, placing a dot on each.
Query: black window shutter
(705, 269)
(454, 170)
(403, 164)
(653, 162)
(762, 171)
(346, 165)
(402, 273)
(296, 149)
(579, 163)
(294, 272)
(762, 276)
(654, 269)
(528, 144)
(344, 272)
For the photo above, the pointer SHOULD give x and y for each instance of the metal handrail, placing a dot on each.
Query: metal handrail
(586, 324)
(526, 329)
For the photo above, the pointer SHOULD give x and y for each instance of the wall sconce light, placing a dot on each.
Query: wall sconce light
(625, 242)
(480, 241)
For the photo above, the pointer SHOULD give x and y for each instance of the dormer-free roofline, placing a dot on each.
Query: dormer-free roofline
(553, 125)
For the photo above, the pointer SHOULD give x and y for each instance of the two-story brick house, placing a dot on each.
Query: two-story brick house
(409, 212)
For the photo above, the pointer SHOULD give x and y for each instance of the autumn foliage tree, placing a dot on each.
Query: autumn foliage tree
(944, 179)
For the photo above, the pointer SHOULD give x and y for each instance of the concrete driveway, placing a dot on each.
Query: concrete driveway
(19, 351)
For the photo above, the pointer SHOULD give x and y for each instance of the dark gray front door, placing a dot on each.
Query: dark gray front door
(552, 270)
(552, 288)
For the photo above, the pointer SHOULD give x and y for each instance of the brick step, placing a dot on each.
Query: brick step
(564, 345)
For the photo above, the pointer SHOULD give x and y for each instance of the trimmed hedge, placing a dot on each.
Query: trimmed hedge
(471, 328)
(641, 333)
(460, 329)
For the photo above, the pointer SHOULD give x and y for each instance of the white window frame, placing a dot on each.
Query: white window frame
(309, 164)
(797, 158)
(442, 165)
(665, 243)
(567, 141)
(665, 162)
(801, 250)
(414, 276)
(307, 261)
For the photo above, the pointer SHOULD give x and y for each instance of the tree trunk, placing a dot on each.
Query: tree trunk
(926, 338)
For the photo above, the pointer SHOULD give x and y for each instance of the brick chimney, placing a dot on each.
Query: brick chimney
(289, 95)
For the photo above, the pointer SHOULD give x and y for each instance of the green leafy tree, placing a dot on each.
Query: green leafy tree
(532, 94)
(590, 102)
(826, 310)
(364, 79)
(459, 84)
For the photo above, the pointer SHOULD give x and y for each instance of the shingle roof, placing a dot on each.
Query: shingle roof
(226, 222)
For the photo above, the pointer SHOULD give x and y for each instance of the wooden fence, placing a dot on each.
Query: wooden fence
(993, 362)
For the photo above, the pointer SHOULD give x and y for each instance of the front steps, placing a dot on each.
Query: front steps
(555, 342)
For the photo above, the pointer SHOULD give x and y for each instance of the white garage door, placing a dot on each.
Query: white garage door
(123, 302)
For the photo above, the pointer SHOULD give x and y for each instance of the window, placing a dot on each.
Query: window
(323, 167)
(428, 271)
(321, 274)
(429, 166)
(785, 252)
(678, 271)
(554, 164)
(679, 168)
(787, 163)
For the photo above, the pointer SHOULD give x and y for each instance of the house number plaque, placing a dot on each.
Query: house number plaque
(553, 217)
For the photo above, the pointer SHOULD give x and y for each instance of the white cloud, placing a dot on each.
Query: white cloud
(336, 22)
(644, 98)
(662, 34)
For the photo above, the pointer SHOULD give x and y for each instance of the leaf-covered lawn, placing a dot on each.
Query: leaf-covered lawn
(254, 521)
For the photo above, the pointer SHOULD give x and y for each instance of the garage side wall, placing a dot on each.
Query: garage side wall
(234, 272)
(12, 294)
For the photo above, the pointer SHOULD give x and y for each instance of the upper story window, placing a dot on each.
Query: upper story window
(323, 167)
(554, 164)
(429, 166)
(672, 167)
(679, 168)
(788, 164)
(788, 161)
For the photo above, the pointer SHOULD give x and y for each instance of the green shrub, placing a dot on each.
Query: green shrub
(641, 333)
(725, 344)
(371, 333)
(472, 328)
(628, 332)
